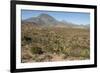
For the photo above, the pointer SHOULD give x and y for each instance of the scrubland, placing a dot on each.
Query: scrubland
(45, 44)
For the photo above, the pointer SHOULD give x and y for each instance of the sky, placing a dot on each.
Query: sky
(73, 17)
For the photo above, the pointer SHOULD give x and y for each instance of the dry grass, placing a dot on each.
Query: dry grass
(41, 44)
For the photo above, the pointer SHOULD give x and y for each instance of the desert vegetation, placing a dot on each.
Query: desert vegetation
(43, 44)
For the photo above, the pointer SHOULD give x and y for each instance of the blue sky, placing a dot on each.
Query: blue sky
(73, 17)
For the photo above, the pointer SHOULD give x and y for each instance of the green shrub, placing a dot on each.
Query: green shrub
(85, 53)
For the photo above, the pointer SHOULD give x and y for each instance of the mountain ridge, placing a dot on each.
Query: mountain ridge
(47, 20)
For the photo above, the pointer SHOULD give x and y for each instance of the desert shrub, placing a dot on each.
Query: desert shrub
(37, 50)
(85, 53)
(26, 40)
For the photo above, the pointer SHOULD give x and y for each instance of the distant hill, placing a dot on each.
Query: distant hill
(47, 20)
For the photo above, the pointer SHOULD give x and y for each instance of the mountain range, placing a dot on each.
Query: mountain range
(47, 20)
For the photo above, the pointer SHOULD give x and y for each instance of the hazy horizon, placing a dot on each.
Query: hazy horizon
(73, 17)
